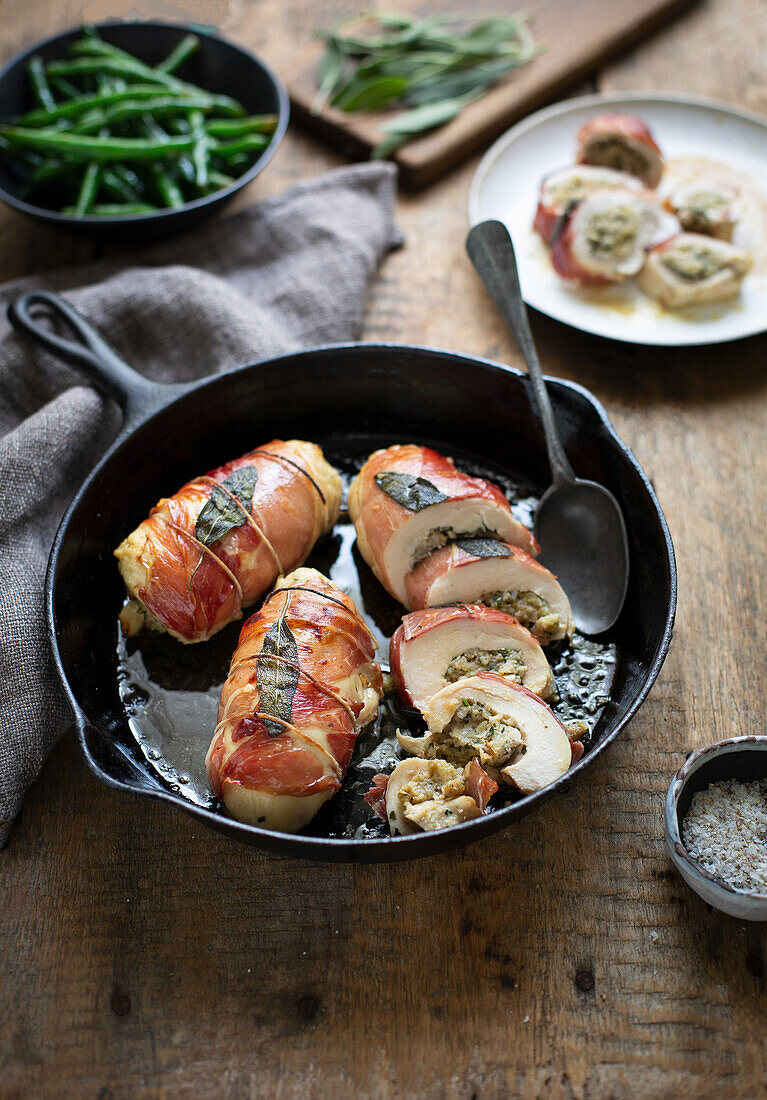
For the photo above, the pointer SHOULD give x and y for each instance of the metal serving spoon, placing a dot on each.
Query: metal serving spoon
(578, 523)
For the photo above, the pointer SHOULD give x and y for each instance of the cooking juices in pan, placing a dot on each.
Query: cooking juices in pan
(170, 692)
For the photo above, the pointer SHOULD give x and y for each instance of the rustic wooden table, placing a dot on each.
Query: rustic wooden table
(564, 957)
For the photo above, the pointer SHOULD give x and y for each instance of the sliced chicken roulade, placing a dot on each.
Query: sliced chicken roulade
(498, 575)
(301, 685)
(221, 541)
(423, 795)
(692, 270)
(623, 142)
(504, 726)
(438, 646)
(705, 206)
(606, 237)
(560, 190)
(407, 501)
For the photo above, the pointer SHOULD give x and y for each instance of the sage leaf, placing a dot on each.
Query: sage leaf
(484, 548)
(276, 681)
(425, 117)
(413, 493)
(370, 94)
(220, 514)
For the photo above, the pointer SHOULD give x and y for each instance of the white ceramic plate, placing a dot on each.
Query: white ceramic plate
(506, 185)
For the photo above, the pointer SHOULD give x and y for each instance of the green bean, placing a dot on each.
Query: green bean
(251, 143)
(200, 151)
(235, 127)
(110, 59)
(80, 103)
(117, 209)
(157, 106)
(112, 182)
(188, 45)
(88, 189)
(167, 188)
(219, 179)
(65, 88)
(82, 147)
(39, 82)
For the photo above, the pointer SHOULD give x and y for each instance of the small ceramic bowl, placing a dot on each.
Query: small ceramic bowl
(743, 758)
(219, 66)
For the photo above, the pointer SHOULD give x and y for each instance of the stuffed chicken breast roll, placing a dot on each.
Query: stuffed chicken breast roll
(301, 685)
(705, 206)
(622, 142)
(560, 190)
(408, 501)
(505, 727)
(606, 237)
(497, 575)
(423, 795)
(220, 542)
(439, 646)
(693, 270)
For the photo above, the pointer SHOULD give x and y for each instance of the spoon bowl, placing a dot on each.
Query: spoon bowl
(578, 523)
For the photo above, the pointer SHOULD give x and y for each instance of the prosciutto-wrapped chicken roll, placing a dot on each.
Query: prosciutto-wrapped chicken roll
(494, 574)
(301, 685)
(221, 541)
(622, 142)
(504, 726)
(705, 206)
(606, 237)
(692, 270)
(439, 646)
(560, 190)
(407, 501)
(423, 795)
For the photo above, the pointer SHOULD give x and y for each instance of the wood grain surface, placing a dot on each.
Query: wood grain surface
(574, 38)
(143, 956)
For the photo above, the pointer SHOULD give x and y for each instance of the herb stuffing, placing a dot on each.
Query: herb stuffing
(428, 69)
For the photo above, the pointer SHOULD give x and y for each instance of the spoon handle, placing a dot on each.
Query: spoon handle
(492, 253)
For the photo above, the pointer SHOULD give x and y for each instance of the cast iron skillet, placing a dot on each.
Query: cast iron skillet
(355, 395)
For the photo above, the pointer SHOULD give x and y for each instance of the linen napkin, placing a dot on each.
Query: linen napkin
(279, 276)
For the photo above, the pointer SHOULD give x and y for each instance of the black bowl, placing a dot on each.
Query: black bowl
(218, 66)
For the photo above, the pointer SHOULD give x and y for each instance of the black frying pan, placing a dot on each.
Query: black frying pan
(350, 399)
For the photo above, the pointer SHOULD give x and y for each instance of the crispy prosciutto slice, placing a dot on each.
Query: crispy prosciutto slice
(692, 269)
(408, 501)
(222, 540)
(560, 190)
(506, 727)
(423, 795)
(498, 575)
(301, 685)
(622, 142)
(437, 646)
(606, 237)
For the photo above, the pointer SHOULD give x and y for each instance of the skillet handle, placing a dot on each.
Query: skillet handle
(87, 351)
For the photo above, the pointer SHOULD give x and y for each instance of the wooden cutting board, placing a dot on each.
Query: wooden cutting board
(577, 35)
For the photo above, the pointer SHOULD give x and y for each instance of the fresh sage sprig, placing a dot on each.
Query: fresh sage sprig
(428, 68)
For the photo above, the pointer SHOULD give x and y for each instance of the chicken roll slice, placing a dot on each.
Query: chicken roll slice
(505, 726)
(423, 795)
(622, 142)
(408, 501)
(606, 237)
(560, 190)
(705, 206)
(438, 646)
(498, 575)
(692, 270)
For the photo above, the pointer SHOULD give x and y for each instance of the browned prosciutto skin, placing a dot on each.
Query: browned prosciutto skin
(192, 588)
(291, 709)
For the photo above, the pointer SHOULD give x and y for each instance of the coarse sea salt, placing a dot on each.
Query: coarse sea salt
(725, 831)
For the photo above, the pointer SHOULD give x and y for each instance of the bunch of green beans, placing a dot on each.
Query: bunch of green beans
(112, 135)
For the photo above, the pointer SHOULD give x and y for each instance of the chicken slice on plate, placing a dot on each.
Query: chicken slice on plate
(560, 190)
(692, 270)
(423, 795)
(705, 206)
(407, 501)
(622, 142)
(437, 646)
(497, 575)
(606, 237)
